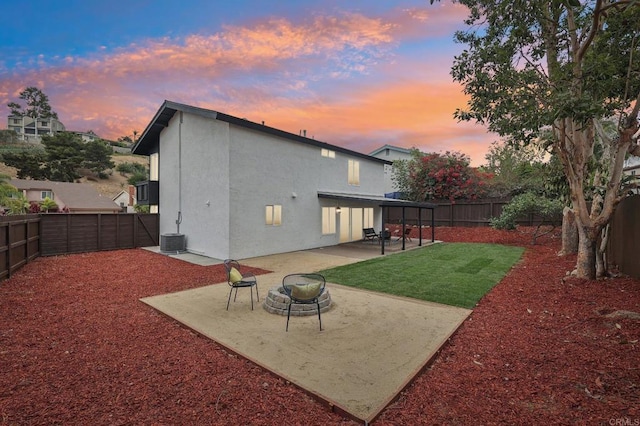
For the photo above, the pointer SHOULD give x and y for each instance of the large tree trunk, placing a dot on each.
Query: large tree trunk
(586, 263)
(569, 233)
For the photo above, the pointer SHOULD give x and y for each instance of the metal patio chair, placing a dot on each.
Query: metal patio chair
(236, 279)
(303, 289)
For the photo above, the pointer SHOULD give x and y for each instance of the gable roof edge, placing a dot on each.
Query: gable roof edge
(162, 117)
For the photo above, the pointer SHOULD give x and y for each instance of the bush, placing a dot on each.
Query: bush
(525, 204)
(131, 168)
(549, 211)
(48, 205)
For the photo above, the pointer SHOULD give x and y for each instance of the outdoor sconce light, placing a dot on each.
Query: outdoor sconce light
(337, 209)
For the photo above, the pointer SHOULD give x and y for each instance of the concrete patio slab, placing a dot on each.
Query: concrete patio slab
(370, 348)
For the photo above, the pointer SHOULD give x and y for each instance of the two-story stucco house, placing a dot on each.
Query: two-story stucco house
(239, 189)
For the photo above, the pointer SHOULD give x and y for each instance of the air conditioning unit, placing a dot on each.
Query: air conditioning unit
(173, 243)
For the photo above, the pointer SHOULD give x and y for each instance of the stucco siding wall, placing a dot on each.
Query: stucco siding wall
(192, 176)
(267, 170)
(221, 177)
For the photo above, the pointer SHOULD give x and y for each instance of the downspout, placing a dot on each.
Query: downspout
(179, 219)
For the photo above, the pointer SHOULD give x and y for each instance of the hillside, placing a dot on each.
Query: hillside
(108, 187)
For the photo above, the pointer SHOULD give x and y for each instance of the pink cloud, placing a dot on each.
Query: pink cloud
(270, 71)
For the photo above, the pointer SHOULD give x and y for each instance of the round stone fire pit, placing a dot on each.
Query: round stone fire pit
(277, 302)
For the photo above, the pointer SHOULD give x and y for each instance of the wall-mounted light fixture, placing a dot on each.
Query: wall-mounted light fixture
(338, 209)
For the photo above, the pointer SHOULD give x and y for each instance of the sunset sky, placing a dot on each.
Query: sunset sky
(358, 74)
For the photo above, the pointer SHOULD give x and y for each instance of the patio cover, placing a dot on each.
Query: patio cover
(383, 202)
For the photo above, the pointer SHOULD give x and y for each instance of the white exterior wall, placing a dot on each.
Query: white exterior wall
(240, 171)
(204, 159)
(271, 170)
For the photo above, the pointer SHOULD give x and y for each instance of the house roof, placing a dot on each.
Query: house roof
(76, 196)
(391, 148)
(375, 199)
(151, 135)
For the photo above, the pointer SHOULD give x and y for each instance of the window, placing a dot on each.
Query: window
(44, 123)
(273, 215)
(16, 121)
(367, 217)
(328, 153)
(153, 166)
(46, 194)
(328, 220)
(354, 172)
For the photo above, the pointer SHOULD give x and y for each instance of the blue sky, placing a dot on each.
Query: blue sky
(357, 74)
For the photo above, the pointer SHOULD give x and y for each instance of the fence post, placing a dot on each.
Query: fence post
(451, 221)
(9, 262)
(99, 230)
(136, 218)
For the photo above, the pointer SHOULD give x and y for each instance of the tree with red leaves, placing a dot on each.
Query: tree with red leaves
(434, 176)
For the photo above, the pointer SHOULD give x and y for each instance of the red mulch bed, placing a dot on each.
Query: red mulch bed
(78, 347)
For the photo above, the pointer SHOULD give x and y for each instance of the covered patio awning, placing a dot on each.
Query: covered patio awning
(383, 202)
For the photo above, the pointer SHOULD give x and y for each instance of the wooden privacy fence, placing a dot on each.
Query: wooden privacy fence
(19, 242)
(23, 238)
(624, 237)
(463, 213)
(79, 233)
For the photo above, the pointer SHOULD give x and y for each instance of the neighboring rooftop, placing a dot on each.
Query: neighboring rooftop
(77, 197)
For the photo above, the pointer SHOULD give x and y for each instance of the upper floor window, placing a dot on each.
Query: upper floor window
(44, 123)
(354, 172)
(46, 194)
(16, 121)
(273, 215)
(328, 153)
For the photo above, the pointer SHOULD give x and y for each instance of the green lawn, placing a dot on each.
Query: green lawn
(457, 274)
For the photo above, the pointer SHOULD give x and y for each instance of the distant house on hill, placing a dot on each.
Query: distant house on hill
(76, 197)
(31, 130)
